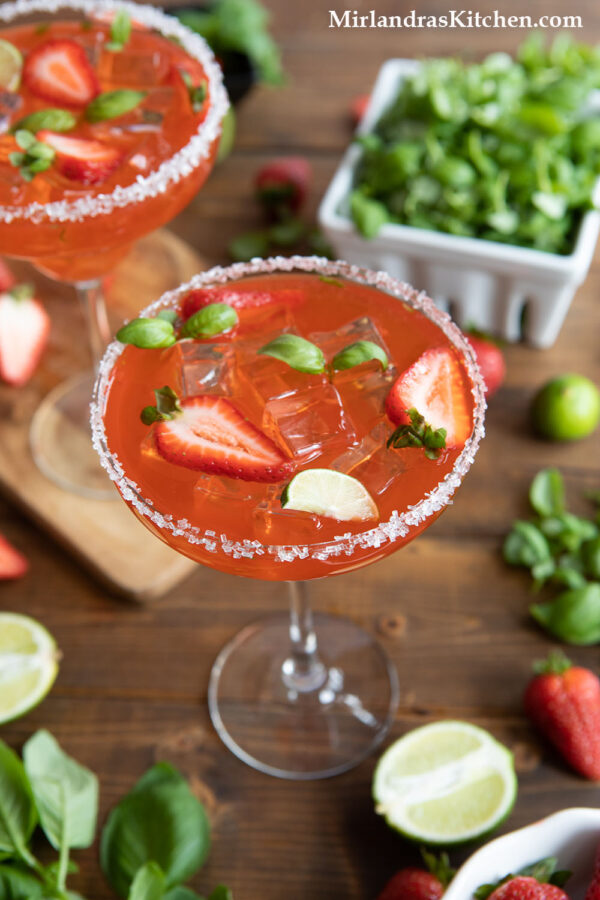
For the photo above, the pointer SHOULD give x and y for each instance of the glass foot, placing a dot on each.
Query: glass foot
(61, 442)
(302, 734)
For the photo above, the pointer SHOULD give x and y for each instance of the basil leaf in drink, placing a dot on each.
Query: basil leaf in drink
(357, 353)
(51, 119)
(148, 334)
(296, 352)
(216, 318)
(120, 31)
(17, 884)
(113, 104)
(169, 315)
(573, 617)
(547, 493)
(65, 792)
(18, 815)
(25, 139)
(148, 884)
(160, 820)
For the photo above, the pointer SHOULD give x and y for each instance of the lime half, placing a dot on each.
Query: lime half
(11, 64)
(326, 492)
(28, 664)
(445, 783)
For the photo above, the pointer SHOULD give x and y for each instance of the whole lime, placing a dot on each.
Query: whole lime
(566, 408)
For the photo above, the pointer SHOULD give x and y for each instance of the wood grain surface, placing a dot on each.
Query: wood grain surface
(132, 685)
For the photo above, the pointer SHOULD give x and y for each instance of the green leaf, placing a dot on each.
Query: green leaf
(148, 334)
(249, 245)
(418, 433)
(182, 893)
(357, 353)
(590, 556)
(547, 493)
(120, 31)
(167, 406)
(17, 884)
(287, 233)
(213, 319)
(368, 215)
(160, 820)
(113, 104)
(25, 139)
(221, 893)
(169, 315)
(525, 545)
(65, 792)
(18, 816)
(148, 884)
(52, 119)
(573, 617)
(296, 352)
(23, 291)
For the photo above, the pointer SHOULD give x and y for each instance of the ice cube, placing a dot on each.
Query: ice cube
(363, 329)
(218, 489)
(205, 368)
(371, 462)
(131, 68)
(273, 524)
(309, 422)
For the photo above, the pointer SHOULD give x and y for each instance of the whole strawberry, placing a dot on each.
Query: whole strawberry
(593, 891)
(524, 887)
(491, 362)
(420, 884)
(563, 702)
(282, 185)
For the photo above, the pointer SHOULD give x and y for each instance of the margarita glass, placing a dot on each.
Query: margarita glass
(75, 220)
(281, 701)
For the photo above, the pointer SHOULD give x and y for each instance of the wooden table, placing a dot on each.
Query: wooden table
(132, 685)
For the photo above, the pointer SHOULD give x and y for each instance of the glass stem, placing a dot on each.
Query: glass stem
(303, 670)
(91, 297)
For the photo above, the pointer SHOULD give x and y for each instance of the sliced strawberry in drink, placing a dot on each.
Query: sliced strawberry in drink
(24, 328)
(89, 162)
(59, 71)
(212, 436)
(240, 300)
(434, 386)
(12, 563)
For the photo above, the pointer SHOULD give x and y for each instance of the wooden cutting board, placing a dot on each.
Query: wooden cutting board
(102, 534)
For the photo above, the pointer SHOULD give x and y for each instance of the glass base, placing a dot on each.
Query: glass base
(290, 733)
(61, 443)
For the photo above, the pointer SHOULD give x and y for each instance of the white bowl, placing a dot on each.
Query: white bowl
(514, 292)
(572, 836)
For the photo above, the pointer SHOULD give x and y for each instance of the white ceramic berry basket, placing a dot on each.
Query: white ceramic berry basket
(571, 835)
(513, 292)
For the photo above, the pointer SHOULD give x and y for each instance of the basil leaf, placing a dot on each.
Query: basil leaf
(149, 334)
(221, 893)
(547, 493)
(120, 31)
(182, 893)
(160, 820)
(525, 545)
(51, 119)
(17, 884)
(573, 617)
(369, 215)
(246, 246)
(65, 792)
(18, 816)
(296, 352)
(590, 555)
(148, 884)
(357, 353)
(169, 315)
(216, 318)
(113, 104)
(541, 871)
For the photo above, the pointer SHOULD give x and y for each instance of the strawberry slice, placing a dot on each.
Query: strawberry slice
(80, 160)
(24, 328)
(59, 71)
(210, 435)
(246, 300)
(12, 563)
(433, 385)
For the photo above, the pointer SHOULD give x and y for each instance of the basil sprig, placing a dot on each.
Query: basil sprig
(50, 119)
(113, 104)
(197, 93)
(148, 334)
(120, 31)
(358, 353)
(419, 434)
(167, 406)
(297, 352)
(36, 156)
(213, 319)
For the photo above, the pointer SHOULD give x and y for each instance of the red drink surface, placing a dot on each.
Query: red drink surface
(328, 421)
(160, 126)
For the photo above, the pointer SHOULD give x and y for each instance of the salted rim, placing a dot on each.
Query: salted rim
(399, 524)
(172, 170)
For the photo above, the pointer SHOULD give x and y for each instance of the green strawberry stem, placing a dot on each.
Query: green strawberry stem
(555, 664)
(439, 866)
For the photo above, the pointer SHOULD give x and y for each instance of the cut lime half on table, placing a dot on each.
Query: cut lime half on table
(28, 664)
(326, 492)
(445, 783)
(11, 64)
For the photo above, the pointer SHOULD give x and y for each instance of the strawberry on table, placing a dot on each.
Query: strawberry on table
(89, 162)
(60, 72)
(593, 891)
(524, 887)
(420, 884)
(490, 360)
(434, 386)
(12, 563)
(209, 434)
(563, 702)
(24, 329)
(283, 183)
(358, 108)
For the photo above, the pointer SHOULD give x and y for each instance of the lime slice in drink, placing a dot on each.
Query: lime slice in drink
(326, 492)
(28, 664)
(445, 783)
(11, 64)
